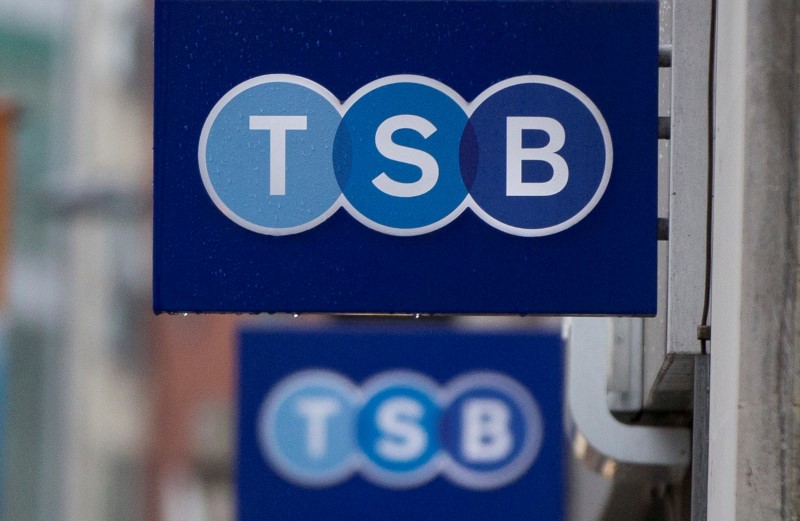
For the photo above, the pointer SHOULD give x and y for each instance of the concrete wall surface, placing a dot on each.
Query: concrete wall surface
(755, 380)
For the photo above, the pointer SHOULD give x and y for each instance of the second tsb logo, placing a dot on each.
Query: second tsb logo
(483, 430)
(405, 155)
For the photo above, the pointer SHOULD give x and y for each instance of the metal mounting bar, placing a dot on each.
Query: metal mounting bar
(691, 34)
(664, 127)
(625, 370)
(588, 341)
(665, 55)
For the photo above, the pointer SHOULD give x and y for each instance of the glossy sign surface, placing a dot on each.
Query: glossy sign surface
(405, 157)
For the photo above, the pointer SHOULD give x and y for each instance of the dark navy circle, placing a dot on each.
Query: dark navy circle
(483, 430)
(492, 430)
(540, 105)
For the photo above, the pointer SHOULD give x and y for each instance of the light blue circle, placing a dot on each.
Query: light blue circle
(307, 429)
(236, 163)
(416, 427)
(359, 162)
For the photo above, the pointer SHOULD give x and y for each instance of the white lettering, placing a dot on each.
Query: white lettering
(398, 418)
(516, 154)
(485, 435)
(277, 126)
(411, 156)
(317, 411)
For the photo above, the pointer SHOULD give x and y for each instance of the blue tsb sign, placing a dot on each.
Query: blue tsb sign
(492, 157)
(422, 424)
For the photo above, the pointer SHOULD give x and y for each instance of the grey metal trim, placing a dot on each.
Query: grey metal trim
(625, 368)
(702, 383)
(664, 127)
(665, 55)
(688, 173)
(588, 341)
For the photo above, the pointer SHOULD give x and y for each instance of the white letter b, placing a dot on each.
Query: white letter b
(516, 154)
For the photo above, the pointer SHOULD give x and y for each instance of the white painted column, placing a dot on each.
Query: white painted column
(727, 260)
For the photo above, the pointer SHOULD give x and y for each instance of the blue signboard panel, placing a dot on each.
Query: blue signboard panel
(399, 424)
(406, 156)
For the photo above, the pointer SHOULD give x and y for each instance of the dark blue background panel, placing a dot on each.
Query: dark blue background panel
(440, 358)
(603, 265)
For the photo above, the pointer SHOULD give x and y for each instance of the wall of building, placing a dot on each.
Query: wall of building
(754, 350)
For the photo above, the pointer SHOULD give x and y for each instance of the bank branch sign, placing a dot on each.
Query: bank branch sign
(411, 157)
(424, 424)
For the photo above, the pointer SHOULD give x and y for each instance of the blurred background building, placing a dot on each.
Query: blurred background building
(77, 372)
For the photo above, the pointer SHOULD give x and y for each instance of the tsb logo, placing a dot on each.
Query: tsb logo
(400, 430)
(405, 155)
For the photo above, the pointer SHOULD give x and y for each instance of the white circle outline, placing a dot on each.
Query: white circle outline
(427, 472)
(533, 438)
(203, 165)
(469, 109)
(607, 166)
(266, 427)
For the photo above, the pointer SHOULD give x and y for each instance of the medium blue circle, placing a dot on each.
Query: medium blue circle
(359, 161)
(308, 429)
(485, 144)
(237, 157)
(380, 440)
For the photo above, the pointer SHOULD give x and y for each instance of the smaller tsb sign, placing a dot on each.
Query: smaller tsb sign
(399, 424)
